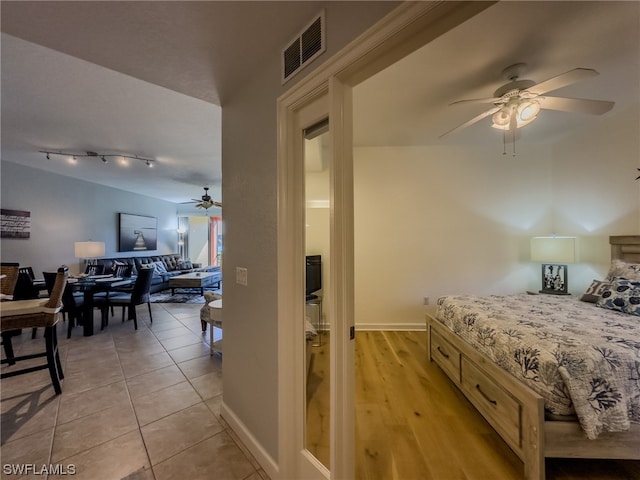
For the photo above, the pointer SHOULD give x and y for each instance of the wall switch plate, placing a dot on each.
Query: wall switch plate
(426, 300)
(241, 276)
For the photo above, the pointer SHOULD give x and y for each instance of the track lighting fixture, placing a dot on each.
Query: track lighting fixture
(103, 156)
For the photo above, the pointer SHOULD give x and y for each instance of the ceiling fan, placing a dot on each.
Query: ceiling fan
(205, 201)
(518, 102)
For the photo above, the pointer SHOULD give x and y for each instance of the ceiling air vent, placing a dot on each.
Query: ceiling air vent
(309, 44)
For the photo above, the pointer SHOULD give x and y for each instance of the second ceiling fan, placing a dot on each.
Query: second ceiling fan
(205, 201)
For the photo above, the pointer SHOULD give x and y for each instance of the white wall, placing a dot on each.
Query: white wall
(65, 210)
(431, 221)
(249, 186)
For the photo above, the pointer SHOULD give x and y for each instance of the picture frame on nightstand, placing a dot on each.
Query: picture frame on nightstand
(554, 279)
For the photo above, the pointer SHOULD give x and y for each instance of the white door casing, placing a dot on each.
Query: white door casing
(328, 90)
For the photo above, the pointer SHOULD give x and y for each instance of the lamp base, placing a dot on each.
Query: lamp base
(555, 279)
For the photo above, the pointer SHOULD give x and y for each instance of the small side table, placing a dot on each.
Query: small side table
(215, 320)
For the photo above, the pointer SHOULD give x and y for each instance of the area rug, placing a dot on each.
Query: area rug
(182, 295)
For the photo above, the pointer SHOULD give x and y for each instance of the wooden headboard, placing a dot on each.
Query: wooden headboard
(626, 248)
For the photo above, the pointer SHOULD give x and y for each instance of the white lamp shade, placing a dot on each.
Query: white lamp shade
(553, 249)
(89, 249)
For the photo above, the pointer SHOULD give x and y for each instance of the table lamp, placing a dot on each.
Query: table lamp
(554, 253)
(87, 251)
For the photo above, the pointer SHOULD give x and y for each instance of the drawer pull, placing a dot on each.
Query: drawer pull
(486, 397)
(442, 353)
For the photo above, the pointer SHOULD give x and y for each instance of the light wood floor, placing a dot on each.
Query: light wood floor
(317, 434)
(413, 423)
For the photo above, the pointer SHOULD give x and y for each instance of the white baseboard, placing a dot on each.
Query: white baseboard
(398, 327)
(259, 453)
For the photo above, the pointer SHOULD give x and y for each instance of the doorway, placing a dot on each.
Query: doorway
(200, 239)
(407, 28)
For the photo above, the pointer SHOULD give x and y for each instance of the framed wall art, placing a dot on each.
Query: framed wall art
(137, 233)
(15, 223)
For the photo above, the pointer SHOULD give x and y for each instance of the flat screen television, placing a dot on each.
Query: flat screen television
(314, 274)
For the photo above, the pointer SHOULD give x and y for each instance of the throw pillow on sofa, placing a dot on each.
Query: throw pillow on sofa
(185, 265)
(160, 267)
(150, 266)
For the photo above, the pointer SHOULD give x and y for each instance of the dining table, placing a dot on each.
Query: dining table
(91, 284)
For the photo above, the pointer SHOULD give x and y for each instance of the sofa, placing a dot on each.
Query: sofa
(173, 266)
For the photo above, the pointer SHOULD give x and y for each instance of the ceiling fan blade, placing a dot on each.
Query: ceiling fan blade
(563, 80)
(477, 100)
(579, 105)
(475, 119)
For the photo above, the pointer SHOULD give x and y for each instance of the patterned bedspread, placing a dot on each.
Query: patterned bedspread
(581, 358)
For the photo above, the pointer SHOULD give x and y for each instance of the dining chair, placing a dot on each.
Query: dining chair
(123, 271)
(74, 306)
(9, 270)
(36, 313)
(37, 286)
(72, 302)
(25, 289)
(8, 282)
(138, 295)
(94, 269)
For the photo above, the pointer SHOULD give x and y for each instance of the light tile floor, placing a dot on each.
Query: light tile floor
(135, 405)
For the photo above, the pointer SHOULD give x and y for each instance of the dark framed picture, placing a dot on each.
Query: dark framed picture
(137, 233)
(554, 279)
(15, 223)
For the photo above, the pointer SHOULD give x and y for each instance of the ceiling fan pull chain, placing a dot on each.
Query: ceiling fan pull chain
(514, 142)
(504, 142)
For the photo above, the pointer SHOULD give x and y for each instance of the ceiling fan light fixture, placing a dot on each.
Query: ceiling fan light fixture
(502, 119)
(527, 112)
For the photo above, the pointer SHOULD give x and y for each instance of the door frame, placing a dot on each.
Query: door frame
(405, 29)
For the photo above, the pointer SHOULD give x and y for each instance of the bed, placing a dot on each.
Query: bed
(559, 390)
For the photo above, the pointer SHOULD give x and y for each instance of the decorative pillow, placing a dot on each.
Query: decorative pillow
(622, 295)
(185, 265)
(160, 267)
(150, 266)
(594, 291)
(620, 269)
